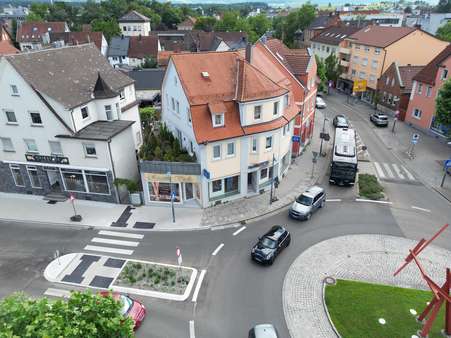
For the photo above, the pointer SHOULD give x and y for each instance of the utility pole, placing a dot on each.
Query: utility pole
(272, 179)
(172, 196)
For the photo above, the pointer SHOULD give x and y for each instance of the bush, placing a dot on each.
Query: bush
(370, 187)
(132, 186)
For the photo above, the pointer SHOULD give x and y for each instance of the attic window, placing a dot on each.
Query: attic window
(205, 75)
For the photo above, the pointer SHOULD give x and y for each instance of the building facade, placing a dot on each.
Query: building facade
(36, 35)
(132, 51)
(61, 137)
(134, 24)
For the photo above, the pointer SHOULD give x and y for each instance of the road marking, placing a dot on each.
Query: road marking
(333, 200)
(398, 171)
(120, 234)
(379, 170)
(107, 249)
(371, 201)
(191, 329)
(198, 285)
(422, 209)
(388, 170)
(409, 175)
(239, 230)
(57, 293)
(114, 241)
(217, 249)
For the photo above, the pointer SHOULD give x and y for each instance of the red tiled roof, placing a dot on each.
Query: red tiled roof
(380, 36)
(142, 46)
(296, 60)
(334, 35)
(429, 72)
(78, 38)
(33, 31)
(6, 47)
(217, 107)
(189, 21)
(407, 73)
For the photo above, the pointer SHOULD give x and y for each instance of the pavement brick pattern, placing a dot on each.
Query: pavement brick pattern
(370, 258)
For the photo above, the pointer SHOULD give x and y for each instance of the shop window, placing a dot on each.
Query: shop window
(264, 174)
(10, 117)
(17, 176)
(34, 177)
(216, 186)
(161, 191)
(97, 182)
(231, 184)
(73, 180)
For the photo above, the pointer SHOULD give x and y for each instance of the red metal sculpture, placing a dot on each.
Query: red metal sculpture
(441, 294)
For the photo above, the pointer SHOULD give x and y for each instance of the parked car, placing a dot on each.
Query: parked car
(307, 203)
(340, 121)
(320, 103)
(130, 307)
(379, 119)
(270, 245)
(263, 331)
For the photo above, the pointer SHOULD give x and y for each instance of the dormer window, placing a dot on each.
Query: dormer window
(218, 120)
(276, 108)
(257, 112)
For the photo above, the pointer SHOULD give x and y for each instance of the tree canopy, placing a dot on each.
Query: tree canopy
(443, 105)
(443, 6)
(286, 27)
(444, 32)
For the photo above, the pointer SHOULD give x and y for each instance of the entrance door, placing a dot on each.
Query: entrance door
(189, 191)
(252, 182)
(54, 180)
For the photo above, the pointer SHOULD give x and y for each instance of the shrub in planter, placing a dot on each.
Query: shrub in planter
(370, 187)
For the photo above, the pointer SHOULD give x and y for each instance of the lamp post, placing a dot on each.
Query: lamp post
(172, 196)
(272, 180)
(322, 138)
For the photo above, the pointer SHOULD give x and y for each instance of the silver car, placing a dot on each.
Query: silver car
(379, 119)
(307, 203)
(263, 331)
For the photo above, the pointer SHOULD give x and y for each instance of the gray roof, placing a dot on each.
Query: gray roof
(176, 168)
(69, 74)
(119, 46)
(134, 16)
(100, 130)
(147, 79)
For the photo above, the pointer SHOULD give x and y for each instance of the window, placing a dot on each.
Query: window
(73, 180)
(231, 149)
(14, 90)
(118, 109)
(428, 91)
(357, 46)
(322, 48)
(286, 100)
(377, 51)
(217, 152)
(217, 186)
(268, 142)
(264, 174)
(384, 97)
(367, 49)
(356, 58)
(353, 72)
(372, 78)
(125, 28)
(178, 107)
(444, 74)
(34, 177)
(84, 113)
(327, 49)
(364, 61)
(387, 80)
(109, 112)
(17, 175)
(122, 92)
(188, 113)
(276, 108)
(7, 144)
(393, 82)
(417, 113)
(173, 103)
(390, 96)
(97, 182)
(362, 75)
(36, 119)
(90, 150)
(218, 120)
(257, 112)
(175, 80)
(254, 145)
(31, 145)
(420, 88)
(10, 117)
(231, 184)
(374, 64)
(284, 131)
(55, 148)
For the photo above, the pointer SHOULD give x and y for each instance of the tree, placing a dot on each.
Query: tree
(444, 32)
(109, 28)
(228, 22)
(260, 24)
(408, 10)
(443, 6)
(321, 72)
(149, 62)
(33, 17)
(443, 106)
(296, 20)
(332, 67)
(205, 23)
(83, 314)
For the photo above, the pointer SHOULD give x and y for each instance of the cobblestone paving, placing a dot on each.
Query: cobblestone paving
(370, 258)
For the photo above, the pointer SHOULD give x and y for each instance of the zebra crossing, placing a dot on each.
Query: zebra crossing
(107, 241)
(394, 172)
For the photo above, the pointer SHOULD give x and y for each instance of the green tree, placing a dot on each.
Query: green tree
(296, 20)
(332, 67)
(260, 24)
(170, 16)
(443, 6)
(321, 72)
(228, 22)
(39, 9)
(34, 17)
(82, 315)
(444, 32)
(205, 23)
(408, 10)
(149, 62)
(443, 106)
(109, 28)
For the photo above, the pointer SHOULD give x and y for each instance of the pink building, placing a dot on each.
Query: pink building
(426, 84)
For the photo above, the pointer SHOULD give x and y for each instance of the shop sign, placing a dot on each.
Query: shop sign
(359, 86)
(46, 159)
(174, 178)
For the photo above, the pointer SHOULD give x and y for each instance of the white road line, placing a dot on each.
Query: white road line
(388, 170)
(418, 208)
(108, 249)
(191, 329)
(120, 234)
(238, 231)
(371, 201)
(409, 175)
(114, 241)
(198, 285)
(57, 293)
(398, 171)
(333, 200)
(217, 249)
(379, 170)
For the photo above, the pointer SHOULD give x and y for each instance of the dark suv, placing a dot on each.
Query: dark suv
(340, 121)
(270, 245)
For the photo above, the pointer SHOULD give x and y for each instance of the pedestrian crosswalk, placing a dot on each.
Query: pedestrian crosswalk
(107, 241)
(393, 171)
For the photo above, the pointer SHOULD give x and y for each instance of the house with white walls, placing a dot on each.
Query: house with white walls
(67, 126)
(134, 24)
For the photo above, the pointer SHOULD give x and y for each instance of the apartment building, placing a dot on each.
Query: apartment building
(134, 24)
(36, 35)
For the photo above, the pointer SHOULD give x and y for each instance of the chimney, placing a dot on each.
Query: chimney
(249, 52)
(418, 26)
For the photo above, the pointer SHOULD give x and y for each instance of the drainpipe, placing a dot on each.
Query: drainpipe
(114, 171)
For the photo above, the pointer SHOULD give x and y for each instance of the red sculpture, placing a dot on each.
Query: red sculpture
(441, 294)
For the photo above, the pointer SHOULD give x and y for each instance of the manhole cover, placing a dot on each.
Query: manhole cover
(330, 280)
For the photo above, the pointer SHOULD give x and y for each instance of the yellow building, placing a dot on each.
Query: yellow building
(373, 49)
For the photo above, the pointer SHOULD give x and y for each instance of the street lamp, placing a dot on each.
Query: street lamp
(172, 196)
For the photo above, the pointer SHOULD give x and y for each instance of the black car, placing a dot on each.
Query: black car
(270, 245)
(340, 121)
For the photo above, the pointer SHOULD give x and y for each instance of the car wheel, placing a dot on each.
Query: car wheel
(271, 261)
(309, 215)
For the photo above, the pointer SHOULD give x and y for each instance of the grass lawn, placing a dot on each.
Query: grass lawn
(355, 309)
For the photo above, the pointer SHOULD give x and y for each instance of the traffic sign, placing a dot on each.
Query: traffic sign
(206, 174)
(415, 138)
(315, 154)
(178, 252)
(359, 86)
(173, 195)
(296, 138)
(447, 164)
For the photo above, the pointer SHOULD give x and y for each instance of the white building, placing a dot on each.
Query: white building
(67, 126)
(134, 24)
(330, 40)
(381, 19)
(36, 35)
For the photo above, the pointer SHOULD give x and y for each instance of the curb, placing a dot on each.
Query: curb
(327, 311)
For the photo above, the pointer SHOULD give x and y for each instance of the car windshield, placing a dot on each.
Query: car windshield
(268, 242)
(126, 304)
(305, 200)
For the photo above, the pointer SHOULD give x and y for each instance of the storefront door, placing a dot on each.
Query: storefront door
(189, 191)
(54, 178)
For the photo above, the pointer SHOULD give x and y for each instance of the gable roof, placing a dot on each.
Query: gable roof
(6, 47)
(407, 74)
(334, 35)
(429, 72)
(142, 46)
(147, 79)
(133, 16)
(380, 36)
(119, 46)
(78, 38)
(296, 60)
(33, 31)
(69, 74)
(189, 21)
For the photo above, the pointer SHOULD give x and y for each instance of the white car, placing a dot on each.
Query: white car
(320, 103)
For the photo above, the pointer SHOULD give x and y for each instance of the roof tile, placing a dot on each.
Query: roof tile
(429, 72)
(380, 36)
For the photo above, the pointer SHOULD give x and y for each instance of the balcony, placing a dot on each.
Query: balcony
(344, 63)
(345, 50)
